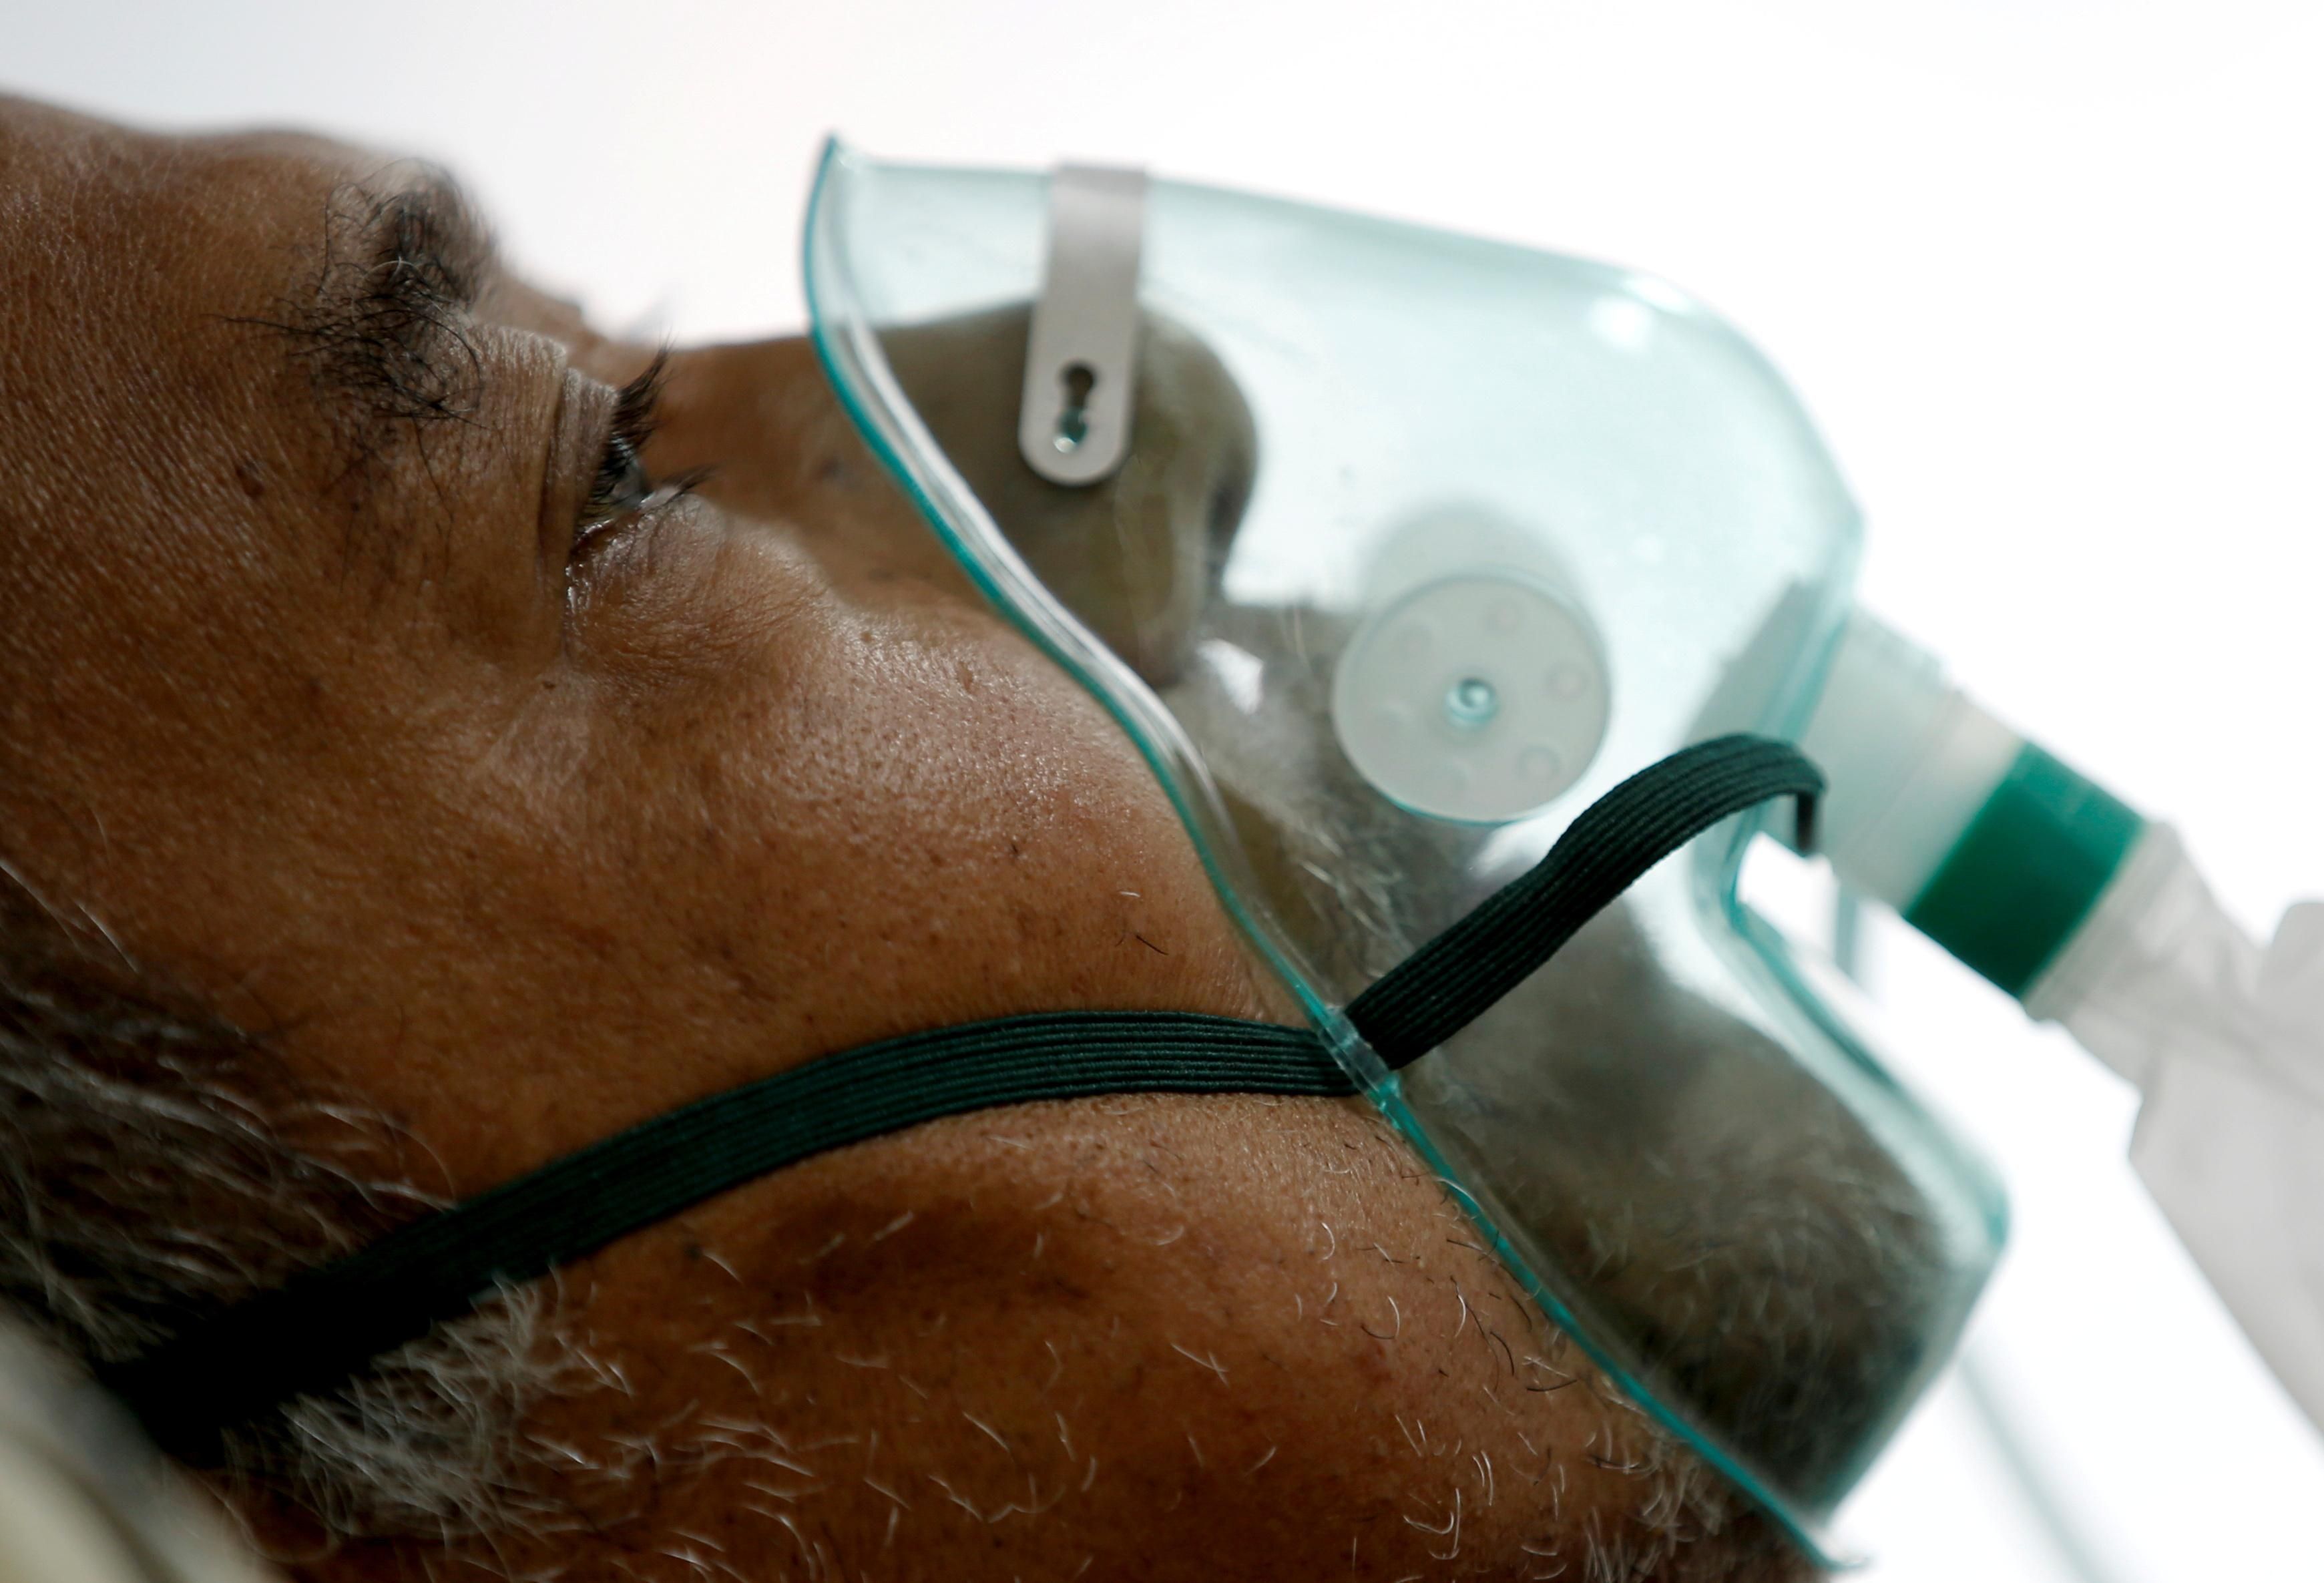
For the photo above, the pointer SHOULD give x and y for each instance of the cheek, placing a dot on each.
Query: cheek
(746, 823)
(872, 814)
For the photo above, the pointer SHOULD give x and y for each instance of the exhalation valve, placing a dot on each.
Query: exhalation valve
(1475, 689)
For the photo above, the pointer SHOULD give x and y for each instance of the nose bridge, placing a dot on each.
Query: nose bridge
(777, 447)
(1136, 553)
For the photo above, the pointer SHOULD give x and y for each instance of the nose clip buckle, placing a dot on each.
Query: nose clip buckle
(1081, 359)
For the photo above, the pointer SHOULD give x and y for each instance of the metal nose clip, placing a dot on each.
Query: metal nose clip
(1081, 360)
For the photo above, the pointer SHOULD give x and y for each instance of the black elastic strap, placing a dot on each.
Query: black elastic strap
(325, 1324)
(1449, 982)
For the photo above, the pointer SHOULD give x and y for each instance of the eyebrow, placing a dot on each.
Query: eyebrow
(385, 334)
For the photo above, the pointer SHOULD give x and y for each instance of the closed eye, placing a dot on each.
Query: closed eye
(623, 489)
(622, 484)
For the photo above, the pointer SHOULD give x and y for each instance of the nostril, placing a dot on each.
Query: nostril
(1221, 516)
(1228, 498)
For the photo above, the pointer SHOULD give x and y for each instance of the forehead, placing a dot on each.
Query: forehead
(94, 184)
(116, 243)
(199, 340)
(151, 286)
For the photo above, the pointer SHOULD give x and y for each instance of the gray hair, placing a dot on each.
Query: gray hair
(156, 1164)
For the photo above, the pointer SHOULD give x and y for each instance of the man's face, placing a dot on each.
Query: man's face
(336, 690)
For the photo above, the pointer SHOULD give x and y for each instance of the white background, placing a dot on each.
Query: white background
(2046, 272)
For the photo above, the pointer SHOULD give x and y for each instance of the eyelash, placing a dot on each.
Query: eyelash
(621, 488)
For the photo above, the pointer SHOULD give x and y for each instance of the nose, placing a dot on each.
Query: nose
(1135, 555)
(1132, 556)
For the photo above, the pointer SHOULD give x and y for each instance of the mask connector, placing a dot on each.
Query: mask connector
(1982, 841)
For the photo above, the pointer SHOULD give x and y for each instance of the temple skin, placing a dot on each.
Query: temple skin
(318, 704)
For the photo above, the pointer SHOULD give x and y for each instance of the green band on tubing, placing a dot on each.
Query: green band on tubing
(2026, 871)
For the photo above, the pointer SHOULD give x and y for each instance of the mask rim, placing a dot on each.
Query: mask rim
(898, 438)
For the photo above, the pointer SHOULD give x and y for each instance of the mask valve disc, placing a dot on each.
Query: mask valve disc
(1478, 698)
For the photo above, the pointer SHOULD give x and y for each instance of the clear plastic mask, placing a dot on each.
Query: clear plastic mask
(1417, 545)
